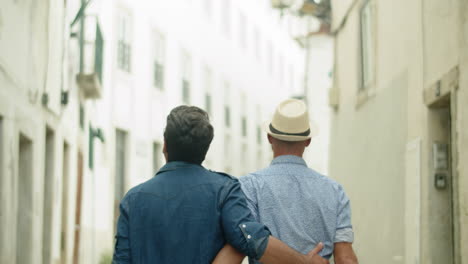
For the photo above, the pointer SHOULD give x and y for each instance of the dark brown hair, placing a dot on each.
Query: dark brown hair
(188, 134)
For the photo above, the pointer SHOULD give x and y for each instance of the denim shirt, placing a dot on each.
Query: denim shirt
(186, 214)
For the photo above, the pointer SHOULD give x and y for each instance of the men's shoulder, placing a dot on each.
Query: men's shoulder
(138, 187)
(256, 175)
(253, 180)
(222, 176)
(330, 181)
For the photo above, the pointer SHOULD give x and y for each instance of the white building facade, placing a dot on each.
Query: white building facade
(82, 118)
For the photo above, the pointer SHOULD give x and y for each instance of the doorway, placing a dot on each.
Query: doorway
(24, 213)
(442, 181)
(49, 182)
(65, 183)
(79, 185)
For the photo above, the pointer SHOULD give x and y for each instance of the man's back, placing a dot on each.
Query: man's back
(298, 205)
(184, 215)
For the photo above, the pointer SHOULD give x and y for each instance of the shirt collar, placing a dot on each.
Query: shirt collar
(173, 165)
(289, 159)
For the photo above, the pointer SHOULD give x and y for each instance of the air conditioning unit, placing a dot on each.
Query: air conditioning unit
(334, 97)
(90, 78)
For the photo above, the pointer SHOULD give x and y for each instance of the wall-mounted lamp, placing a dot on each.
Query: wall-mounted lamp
(94, 133)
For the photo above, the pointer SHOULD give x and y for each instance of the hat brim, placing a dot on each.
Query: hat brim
(313, 132)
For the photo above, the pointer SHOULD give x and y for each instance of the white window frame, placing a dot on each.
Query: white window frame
(186, 80)
(227, 105)
(244, 119)
(242, 30)
(367, 63)
(159, 60)
(208, 83)
(124, 41)
(257, 40)
(226, 14)
(208, 7)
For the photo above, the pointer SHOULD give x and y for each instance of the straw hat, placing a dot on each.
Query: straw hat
(291, 122)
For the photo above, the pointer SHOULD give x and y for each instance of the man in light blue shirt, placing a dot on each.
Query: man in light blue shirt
(299, 205)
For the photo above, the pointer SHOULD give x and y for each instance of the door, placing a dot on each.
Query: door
(441, 223)
(76, 249)
(64, 226)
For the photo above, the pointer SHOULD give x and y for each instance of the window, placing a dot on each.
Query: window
(25, 192)
(82, 116)
(243, 31)
(259, 135)
(367, 45)
(65, 192)
(244, 115)
(259, 127)
(48, 187)
(208, 103)
(159, 50)
(186, 77)
(256, 44)
(185, 91)
(124, 47)
(226, 13)
(227, 116)
(208, 6)
(157, 150)
(227, 109)
(208, 83)
(244, 126)
(99, 51)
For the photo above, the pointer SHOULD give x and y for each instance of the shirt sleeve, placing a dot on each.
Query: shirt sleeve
(250, 196)
(344, 229)
(122, 253)
(240, 228)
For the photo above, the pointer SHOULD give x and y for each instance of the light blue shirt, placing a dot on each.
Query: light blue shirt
(300, 206)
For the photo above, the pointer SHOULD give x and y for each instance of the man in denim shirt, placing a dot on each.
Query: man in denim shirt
(186, 214)
(300, 206)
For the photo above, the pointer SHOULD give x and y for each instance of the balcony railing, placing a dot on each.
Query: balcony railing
(90, 78)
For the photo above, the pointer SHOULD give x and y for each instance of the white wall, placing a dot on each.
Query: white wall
(38, 55)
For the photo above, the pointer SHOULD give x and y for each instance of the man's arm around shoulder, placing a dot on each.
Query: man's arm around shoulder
(276, 252)
(344, 253)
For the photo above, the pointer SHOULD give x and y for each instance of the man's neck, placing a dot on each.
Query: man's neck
(277, 154)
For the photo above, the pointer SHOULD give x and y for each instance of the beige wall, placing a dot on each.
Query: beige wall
(417, 43)
(462, 134)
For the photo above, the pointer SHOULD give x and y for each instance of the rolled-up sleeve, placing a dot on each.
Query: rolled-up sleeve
(122, 253)
(344, 228)
(240, 228)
